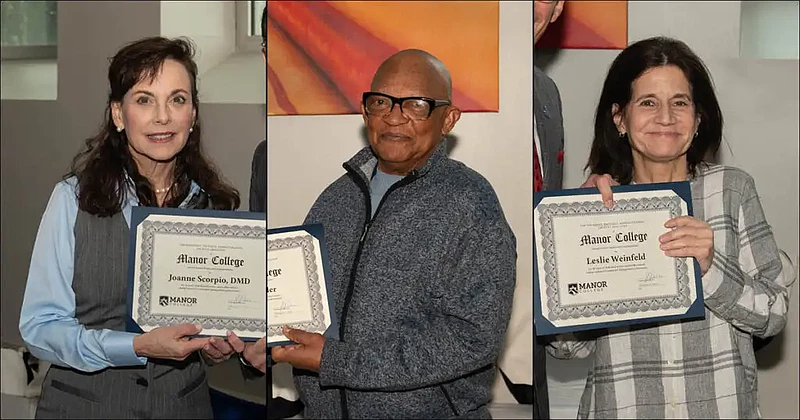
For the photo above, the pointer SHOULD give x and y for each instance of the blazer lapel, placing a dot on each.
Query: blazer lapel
(548, 129)
(542, 121)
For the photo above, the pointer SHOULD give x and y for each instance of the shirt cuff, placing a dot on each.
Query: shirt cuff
(334, 364)
(118, 346)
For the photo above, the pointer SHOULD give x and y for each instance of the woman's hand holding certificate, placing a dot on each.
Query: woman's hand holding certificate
(169, 342)
(689, 237)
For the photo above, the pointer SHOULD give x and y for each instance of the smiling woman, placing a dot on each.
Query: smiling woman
(148, 153)
(151, 136)
(658, 120)
(158, 118)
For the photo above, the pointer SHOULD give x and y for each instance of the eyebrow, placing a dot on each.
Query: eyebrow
(653, 95)
(148, 93)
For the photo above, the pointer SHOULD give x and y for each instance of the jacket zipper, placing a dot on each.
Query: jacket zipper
(412, 176)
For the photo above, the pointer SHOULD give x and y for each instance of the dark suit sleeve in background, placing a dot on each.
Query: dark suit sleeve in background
(258, 179)
(258, 203)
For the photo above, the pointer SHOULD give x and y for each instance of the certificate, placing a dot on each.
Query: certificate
(298, 283)
(198, 266)
(603, 268)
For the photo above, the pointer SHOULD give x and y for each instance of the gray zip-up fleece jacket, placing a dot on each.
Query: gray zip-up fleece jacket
(423, 292)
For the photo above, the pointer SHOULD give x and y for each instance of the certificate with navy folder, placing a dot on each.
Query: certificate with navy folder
(298, 283)
(600, 268)
(205, 267)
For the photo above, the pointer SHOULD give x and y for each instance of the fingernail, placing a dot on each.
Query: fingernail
(198, 326)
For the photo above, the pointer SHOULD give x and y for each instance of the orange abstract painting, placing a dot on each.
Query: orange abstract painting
(321, 55)
(589, 25)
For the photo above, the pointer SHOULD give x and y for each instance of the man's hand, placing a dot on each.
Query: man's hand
(217, 350)
(689, 237)
(169, 342)
(306, 354)
(603, 183)
(254, 353)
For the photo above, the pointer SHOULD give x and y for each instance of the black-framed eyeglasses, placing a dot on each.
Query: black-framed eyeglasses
(413, 107)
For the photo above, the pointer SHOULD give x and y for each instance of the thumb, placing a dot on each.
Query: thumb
(261, 345)
(194, 344)
(235, 342)
(298, 336)
(183, 330)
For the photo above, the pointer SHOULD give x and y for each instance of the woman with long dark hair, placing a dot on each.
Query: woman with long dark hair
(147, 153)
(658, 120)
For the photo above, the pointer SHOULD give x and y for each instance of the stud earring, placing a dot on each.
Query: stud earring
(191, 129)
(119, 129)
(622, 135)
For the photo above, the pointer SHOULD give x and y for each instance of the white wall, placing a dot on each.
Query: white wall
(771, 29)
(498, 145)
(213, 27)
(760, 105)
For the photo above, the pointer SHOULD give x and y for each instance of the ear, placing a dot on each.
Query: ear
(616, 114)
(451, 117)
(116, 114)
(557, 11)
(364, 114)
(697, 123)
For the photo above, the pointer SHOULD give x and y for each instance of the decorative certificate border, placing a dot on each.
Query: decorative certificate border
(548, 212)
(323, 271)
(138, 308)
(306, 244)
(149, 231)
(555, 317)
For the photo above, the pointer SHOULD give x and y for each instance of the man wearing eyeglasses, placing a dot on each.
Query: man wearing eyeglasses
(423, 265)
(548, 137)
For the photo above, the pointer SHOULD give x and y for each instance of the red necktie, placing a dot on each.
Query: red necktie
(538, 184)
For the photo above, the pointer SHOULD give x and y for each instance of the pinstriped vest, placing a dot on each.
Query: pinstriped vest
(159, 390)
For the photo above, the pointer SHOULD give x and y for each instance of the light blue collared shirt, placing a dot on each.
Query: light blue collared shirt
(47, 320)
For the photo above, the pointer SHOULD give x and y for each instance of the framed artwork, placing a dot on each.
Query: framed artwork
(321, 55)
(589, 25)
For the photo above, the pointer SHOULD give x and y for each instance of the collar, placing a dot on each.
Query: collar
(133, 201)
(364, 163)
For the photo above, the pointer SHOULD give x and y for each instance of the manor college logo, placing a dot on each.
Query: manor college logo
(177, 300)
(587, 287)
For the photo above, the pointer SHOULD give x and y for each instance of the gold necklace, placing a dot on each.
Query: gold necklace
(163, 190)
